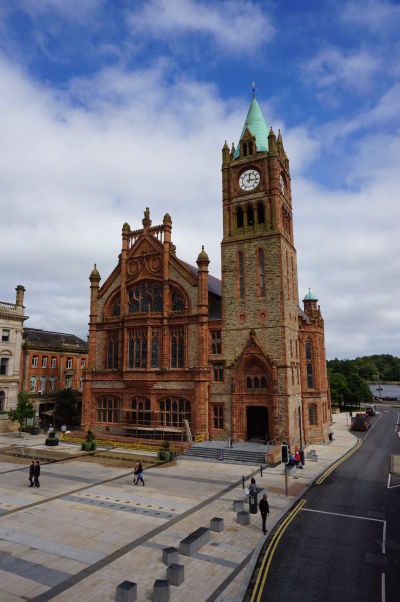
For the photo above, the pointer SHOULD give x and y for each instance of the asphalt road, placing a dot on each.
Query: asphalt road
(344, 544)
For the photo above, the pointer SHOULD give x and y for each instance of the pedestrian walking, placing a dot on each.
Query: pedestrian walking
(297, 458)
(253, 486)
(264, 509)
(139, 474)
(36, 473)
(31, 473)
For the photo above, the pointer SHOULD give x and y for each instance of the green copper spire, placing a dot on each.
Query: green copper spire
(256, 123)
(310, 296)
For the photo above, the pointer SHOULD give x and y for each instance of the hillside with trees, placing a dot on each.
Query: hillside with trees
(349, 378)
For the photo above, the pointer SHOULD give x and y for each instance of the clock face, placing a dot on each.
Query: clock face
(249, 180)
(282, 181)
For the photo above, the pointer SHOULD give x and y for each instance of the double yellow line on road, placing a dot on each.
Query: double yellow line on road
(266, 562)
(329, 471)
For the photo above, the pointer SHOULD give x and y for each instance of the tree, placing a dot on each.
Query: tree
(339, 388)
(359, 391)
(68, 407)
(24, 410)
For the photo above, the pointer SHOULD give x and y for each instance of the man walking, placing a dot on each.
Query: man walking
(36, 473)
(264, 509)
(31, 473)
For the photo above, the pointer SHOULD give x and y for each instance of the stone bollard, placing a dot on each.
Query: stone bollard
(176, 574)
(243, 517)
(161, 590)
(170, 556)
(238, 506)
(126, 592)
(217, 524)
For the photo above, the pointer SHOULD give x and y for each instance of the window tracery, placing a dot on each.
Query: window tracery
(173, 411)
(141, 411)
(177, 348)
(146, 296)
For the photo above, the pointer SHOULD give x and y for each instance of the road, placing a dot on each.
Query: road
(344, 542)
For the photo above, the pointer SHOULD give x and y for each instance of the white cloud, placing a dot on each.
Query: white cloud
(374, 15)
(332, 67)
(235, 25)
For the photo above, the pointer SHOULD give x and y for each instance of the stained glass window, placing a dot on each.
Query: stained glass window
(146, 296)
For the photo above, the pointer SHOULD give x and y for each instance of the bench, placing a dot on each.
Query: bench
(194, 541)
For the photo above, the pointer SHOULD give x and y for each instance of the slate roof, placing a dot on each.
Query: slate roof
(214, 284)
(53, 339)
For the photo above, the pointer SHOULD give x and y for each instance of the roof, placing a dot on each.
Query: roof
(214, 284)
(53, 339)
(256, 123)
(310, 297)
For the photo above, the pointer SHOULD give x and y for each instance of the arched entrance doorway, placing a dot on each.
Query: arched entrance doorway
(257, 423)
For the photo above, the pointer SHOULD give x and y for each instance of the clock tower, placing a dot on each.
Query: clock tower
(260, 330)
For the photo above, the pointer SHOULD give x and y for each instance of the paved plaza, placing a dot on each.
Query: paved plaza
(88, 528)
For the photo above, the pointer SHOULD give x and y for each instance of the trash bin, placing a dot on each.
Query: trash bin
(330, 436)
(253, 502)
(302, 460)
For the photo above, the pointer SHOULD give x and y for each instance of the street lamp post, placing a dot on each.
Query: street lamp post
(300, 426)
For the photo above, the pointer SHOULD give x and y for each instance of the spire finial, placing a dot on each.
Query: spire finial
(254, 89)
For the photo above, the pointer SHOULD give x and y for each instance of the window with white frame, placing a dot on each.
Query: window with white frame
(69, 363)
(51, 383)
(44, 361)
(5, 335)
(32, 383)
(53, 362)
(42, 388)
(68, 382)
(82, 362)
(35, 361)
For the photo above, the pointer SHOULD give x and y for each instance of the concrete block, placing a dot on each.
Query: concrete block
(176, 574)
(170, 555)
(126, 592)
(161, 590)
(193, 542)
(243, 517)
(314, 458)
(217, 524)
(238, 506)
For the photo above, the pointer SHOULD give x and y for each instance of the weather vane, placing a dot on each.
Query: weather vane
(254, 89)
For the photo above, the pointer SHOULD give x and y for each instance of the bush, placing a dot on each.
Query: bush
(52, 441)
(88, 445)
(164, 456)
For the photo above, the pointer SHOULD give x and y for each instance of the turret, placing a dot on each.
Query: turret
(94, 290)
(203, 262)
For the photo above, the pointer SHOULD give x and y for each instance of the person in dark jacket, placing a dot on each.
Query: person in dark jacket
(139, 474)
(264, 509)
(31, 473)
(36, 473)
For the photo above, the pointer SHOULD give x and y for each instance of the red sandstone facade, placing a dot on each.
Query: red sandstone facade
(171, 346)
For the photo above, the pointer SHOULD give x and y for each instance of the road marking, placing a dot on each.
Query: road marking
(383, 587)
(376, 520)
(373, 426)
(266, 562)
(389, 486)
(329, 470)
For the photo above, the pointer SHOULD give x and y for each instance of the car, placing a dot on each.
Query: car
(370, 410)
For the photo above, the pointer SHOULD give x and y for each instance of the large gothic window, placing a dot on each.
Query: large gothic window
(260, 213)
(239, 217)
(261, 272)
(309, 365)
(240, 261)
(312, 414)
(177, 302)
(116, 306)
(155, 348)
(112, 351)
(137, 348)
(177, 348)
(146, 296)
(141, 411)
(108, 409)
(174, 411)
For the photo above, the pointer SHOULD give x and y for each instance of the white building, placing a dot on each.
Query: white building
(12, 318)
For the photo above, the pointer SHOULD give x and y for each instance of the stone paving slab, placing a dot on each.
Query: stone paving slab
(105, 532)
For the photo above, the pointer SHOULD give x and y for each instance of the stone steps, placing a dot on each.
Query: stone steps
(228, 454)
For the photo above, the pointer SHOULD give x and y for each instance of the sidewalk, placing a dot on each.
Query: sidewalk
(101, 530)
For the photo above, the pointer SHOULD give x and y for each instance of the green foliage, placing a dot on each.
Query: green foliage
(68, 407)
(385, 368)
(163, 456)
(51, 440)
(24, 410)
(90, 443)
(348, 386)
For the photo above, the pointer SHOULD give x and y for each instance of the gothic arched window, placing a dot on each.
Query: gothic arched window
(239, 217)
(260, 213)
(177, 348)
(112, 351)
(249, 383)
(312, 414)
(146, 296)
(261, 272)
(240, 261)
(177, 302)
(309, 365)
(108, 409)
(250, 148)
(137, 348)
(263, 382)
(141, 411)
(244, 149)
(173, 411)
(250, 215)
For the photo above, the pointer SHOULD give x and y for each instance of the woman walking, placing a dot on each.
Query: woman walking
(139, 474)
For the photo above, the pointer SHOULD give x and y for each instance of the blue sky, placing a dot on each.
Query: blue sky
(111, 106)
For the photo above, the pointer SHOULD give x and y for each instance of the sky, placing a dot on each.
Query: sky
(111, 106)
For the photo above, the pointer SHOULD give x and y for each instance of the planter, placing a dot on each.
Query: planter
(51, 442)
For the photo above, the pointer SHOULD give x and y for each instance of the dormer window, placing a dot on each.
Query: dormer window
(244, 149)
(250, 148)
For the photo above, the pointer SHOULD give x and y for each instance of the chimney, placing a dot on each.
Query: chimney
(20, 295)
